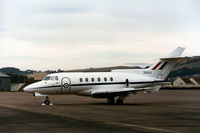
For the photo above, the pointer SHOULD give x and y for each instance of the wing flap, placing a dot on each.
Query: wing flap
(114, 90)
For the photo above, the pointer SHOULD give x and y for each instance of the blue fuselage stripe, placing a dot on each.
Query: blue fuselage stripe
(110, 83)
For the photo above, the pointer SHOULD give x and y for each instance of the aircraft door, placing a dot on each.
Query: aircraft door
(65, 85)
(127, 83)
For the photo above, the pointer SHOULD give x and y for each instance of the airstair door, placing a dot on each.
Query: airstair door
(65, 85)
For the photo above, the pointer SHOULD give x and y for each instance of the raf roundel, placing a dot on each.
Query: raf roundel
(66, 85)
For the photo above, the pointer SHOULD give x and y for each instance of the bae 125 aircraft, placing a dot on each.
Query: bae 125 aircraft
(115, 85)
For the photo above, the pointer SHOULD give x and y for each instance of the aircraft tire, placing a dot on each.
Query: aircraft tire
(111, 101)
(120, 101)
(47, 102)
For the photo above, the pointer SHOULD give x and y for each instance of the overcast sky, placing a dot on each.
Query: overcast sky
(71, 34)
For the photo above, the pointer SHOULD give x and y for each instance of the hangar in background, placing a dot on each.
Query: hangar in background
(5, 82)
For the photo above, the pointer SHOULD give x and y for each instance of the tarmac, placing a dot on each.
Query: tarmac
(169, 111)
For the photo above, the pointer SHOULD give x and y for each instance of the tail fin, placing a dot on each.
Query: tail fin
(164, 66)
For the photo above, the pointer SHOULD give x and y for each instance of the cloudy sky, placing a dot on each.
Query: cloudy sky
(71, 34)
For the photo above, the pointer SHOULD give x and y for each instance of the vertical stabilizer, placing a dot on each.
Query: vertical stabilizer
(164, 66)
(175, 53)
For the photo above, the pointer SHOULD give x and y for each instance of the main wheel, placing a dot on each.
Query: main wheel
(120, 101)
(111, 101)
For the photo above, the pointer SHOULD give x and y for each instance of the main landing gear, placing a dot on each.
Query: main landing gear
(120, 101)
(112, 101)
(47, 101)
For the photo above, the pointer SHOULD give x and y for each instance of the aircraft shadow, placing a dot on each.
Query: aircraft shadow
(125, 104)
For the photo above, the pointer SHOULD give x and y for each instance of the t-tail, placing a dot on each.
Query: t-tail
(163, 67)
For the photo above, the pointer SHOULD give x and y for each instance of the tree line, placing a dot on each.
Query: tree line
(15, 78)
(185, 72)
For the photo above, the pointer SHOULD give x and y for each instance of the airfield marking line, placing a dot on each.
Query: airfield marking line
(123, 124)
(111, 123)
(60, 114)
(142, 127)
(13, 106)
(29, 110)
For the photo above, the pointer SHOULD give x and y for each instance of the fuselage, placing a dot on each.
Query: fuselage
(117, 83)
(84, 83)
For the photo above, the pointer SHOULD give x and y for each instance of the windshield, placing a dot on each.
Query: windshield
(51, 78)
(47, 78)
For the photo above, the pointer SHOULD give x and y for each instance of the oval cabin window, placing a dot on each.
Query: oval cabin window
(99, 79)
(111, 78)
(86, 79)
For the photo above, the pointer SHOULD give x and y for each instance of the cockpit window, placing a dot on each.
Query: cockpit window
(56, 77)
(47, 78)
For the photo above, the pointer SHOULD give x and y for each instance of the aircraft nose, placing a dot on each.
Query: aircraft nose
(27, 89)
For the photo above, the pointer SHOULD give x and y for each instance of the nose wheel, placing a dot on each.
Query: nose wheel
(47, 101)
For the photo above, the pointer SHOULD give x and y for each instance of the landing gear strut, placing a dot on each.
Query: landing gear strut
(119, 101)
(47, 101)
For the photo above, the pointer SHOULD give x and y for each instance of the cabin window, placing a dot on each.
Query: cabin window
(105, 79)
(111, 78)
(47, 78)
(81, 80)
(86, 79)
(92, 79)
(52, 77)
(99, 79)
(56, 77)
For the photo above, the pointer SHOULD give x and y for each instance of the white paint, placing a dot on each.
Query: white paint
(118, 83)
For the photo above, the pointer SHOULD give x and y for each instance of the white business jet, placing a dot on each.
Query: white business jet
(115, 85)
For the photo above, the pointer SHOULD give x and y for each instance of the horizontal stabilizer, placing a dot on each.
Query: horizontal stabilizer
(173, 58)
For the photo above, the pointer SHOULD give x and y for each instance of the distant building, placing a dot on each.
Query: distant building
(183, 82)
(16, 86)
(5, 82)
(196, 81)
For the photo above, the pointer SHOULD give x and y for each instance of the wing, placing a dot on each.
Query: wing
(113, 91)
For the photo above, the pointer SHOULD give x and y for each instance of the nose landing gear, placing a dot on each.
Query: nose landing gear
(47, 101)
